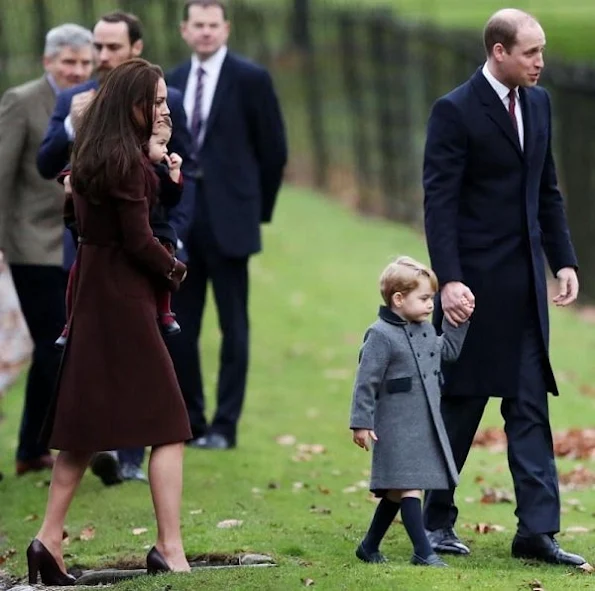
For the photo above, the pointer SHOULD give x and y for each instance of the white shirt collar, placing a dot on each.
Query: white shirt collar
(212, 65)
(501, 89)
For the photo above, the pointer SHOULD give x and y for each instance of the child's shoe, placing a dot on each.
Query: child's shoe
(60, 342)
(168, 324)
(372, 557)
(431, 560)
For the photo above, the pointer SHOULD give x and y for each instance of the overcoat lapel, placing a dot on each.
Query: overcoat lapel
(495, 109)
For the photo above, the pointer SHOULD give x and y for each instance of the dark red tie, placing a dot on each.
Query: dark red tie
(511, 106)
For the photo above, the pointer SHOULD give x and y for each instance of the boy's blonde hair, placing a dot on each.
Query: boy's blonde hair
(402, 275)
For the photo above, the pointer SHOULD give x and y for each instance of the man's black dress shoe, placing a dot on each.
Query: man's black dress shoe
(545, 548)
(212, 441)
(372, 557)
(106, 466)
(446, 541)
(431, 560)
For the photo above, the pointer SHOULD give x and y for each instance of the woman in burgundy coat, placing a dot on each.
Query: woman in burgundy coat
(117, 386)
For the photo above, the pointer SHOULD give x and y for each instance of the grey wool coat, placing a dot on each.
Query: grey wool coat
(397, 395)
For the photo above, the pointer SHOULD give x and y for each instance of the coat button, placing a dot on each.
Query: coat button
(424, 376)
(419, 354)
(425, 335)
(432, 354)
(410, 334)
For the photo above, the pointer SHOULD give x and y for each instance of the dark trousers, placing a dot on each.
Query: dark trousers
(131, 455)
(41, 290)
(530, 445)
(229, 279)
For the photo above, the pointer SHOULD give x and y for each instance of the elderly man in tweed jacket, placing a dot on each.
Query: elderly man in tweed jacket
(31, 223)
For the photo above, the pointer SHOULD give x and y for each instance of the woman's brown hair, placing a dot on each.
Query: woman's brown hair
(114, 128)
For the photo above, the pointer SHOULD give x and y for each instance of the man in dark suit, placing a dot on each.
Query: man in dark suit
(492, 206)
(117, 37)
(31, 223)
(239, 138)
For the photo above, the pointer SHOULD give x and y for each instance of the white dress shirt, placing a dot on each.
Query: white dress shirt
(212, 68)
(502, 91)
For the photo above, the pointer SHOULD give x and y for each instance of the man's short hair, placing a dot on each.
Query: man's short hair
(222, 4)
(503, 30)
(135, 27)
(66, 35)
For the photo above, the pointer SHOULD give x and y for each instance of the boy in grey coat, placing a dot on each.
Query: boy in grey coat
(396, 404)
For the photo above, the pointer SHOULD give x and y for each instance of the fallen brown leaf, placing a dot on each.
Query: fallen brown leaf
(286, 440)
(31, 517)
(196, 511)
(229, 523)
(496, 495)
(485, 528)
(536, 586)
(137, 531)
(587, 568)
(273, 485)
(308, 582)
(577, 529)
(579, 477)
(320, 510)
(350, 489)
(324, 490)
(7, 554)
(87, 534)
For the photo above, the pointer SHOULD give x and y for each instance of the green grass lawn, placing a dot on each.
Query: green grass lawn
(313, 294)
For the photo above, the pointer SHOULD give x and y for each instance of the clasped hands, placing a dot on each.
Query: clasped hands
(458, 301)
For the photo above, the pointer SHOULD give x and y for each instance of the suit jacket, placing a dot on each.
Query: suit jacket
(491, 210)
(54, 155)
(243, 153)
(30, 206)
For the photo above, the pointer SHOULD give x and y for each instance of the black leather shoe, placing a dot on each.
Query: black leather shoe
(214, 441)
(432, 560)
(105, 465)
(42, 563)
(545, 548)
(371, 557)
(446, 541)
(169, 325)
(60, 342)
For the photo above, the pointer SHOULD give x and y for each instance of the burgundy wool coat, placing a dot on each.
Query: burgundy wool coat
(117, 386)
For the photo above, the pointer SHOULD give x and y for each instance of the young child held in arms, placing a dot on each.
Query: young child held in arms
(168, 170)
(396, 406)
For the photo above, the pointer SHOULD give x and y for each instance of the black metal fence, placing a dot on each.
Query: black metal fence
(356, 86)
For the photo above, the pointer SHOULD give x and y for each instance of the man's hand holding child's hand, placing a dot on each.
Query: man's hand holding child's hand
(362, 438)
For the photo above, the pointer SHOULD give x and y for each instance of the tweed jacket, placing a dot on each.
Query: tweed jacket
(31, 223)
(397, 395)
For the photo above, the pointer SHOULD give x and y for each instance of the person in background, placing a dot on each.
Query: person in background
(240, 150)
(31, 223)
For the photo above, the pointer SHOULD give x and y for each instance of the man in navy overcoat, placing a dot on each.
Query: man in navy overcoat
(492, 208)
(239, 137)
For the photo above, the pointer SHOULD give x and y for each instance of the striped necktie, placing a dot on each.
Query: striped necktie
(197, 121)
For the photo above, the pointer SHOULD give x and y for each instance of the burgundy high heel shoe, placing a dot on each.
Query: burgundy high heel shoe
(156, 563)
(41, 562)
